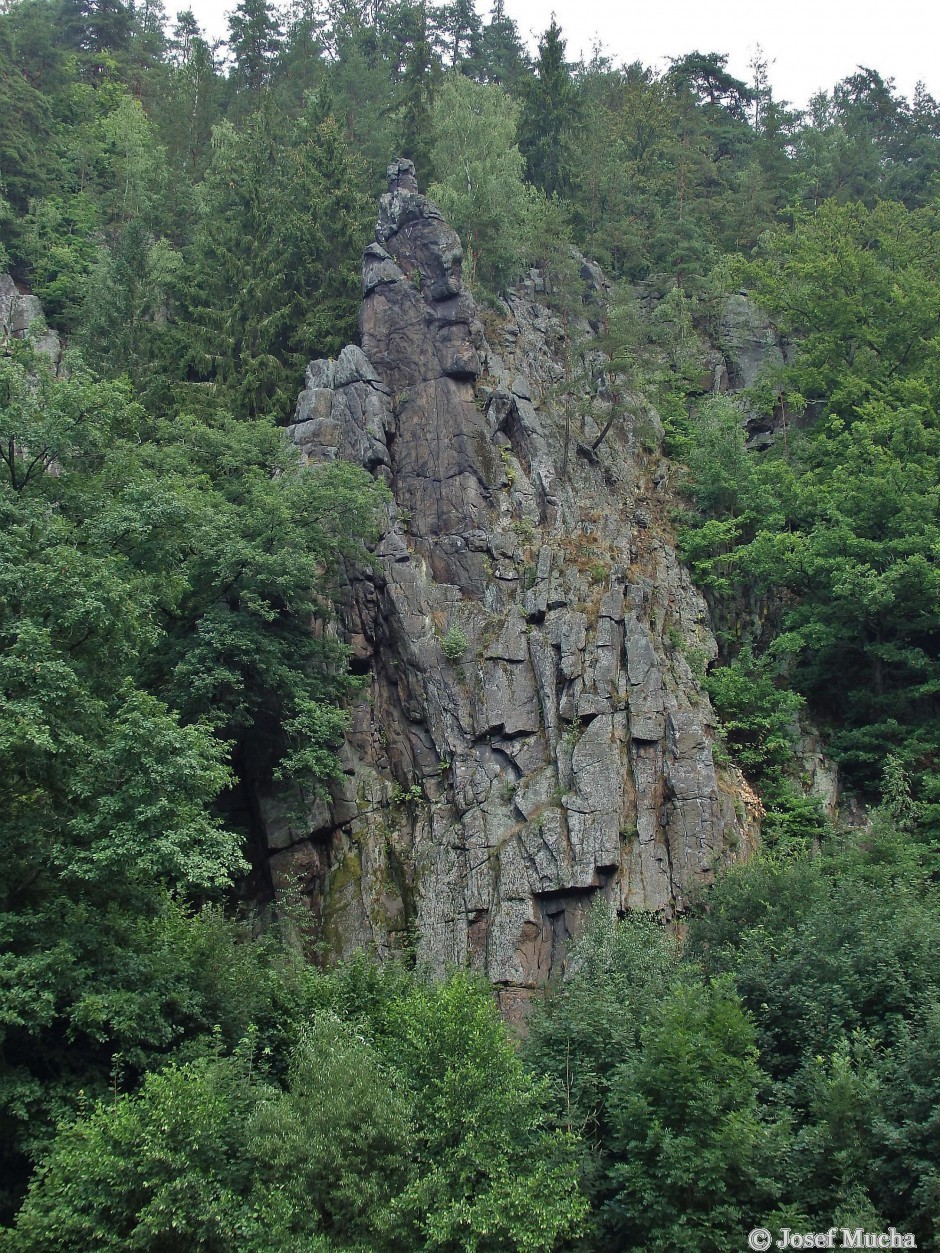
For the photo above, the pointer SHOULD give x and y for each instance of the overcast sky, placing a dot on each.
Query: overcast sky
(811, 43)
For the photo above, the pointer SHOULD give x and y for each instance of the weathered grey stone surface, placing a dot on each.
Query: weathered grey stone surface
(566, 752)
(752, 350)
(21, 316)
(751, 344)
(820, 775)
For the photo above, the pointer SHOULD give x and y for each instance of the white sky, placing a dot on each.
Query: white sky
(811, 44)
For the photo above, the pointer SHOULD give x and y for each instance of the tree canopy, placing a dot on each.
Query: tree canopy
(191, 215)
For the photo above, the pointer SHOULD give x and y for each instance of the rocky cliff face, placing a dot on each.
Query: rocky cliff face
(21, 315)
(531, 732)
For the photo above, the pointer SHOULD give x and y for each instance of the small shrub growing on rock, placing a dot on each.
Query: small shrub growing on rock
(454, 644)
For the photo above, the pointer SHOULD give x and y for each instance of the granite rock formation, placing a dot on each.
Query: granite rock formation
(531, 732)
(21, 315)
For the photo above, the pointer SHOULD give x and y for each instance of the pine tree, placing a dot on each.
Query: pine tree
(255, 37)
(182, 42)
(189, 105)
(458, 33)
(99, 31)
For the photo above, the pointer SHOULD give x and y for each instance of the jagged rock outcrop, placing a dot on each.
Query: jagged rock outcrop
(21, 315)
(751, 352)
(750, 342)
(531, 732)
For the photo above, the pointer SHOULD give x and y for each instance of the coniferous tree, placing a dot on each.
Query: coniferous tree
(769, 180)
(503, 57)
(301, 66)
(255, 36)
(99, 31)
(548, 114)
(147, 47)
(457, 34)
(189, 102)
(182, 41)
(278, 221)
(706, 75)
(417, 94)
(366, 93)
(123, 319)
(27, 124)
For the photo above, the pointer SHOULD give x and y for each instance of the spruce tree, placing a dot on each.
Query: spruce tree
(502, 55)
(26, 126)
(548, 114)
(273, 275)
(417, 96)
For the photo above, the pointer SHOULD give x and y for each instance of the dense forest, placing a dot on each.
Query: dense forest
(173, 1073)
